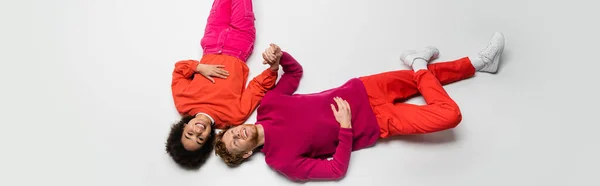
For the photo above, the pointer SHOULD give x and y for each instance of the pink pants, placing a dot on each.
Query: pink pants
(230, 29)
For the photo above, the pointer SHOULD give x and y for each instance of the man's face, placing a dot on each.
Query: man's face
(196, 132)
(241, 139)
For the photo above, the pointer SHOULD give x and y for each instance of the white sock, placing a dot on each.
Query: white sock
(477, 62)
(419, 64)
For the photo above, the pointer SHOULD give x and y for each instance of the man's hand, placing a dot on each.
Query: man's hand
(343, 114)
(210, 71)
(271, 56)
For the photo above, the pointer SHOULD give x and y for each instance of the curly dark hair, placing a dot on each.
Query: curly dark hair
(188, 159)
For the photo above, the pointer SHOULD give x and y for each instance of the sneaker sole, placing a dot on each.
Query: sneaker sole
(496, 61)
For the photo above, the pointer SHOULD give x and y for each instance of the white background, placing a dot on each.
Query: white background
(85, 88)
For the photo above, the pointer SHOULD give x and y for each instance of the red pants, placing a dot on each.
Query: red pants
(230, 29)
(440, 113)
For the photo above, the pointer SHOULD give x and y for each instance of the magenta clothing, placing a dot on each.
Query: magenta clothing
(301, 131)
(230, 29)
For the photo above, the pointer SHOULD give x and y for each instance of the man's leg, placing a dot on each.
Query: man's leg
(218, 20)
(389, 87)
(241, 33)
(486, 60)
(440, 113)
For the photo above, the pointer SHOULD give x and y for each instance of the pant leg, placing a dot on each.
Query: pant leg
(398, 118)
(218, 20)
(452, 71)
(389, 87)
(240, 36)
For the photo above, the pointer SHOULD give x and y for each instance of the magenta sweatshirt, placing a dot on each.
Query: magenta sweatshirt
(301, 132)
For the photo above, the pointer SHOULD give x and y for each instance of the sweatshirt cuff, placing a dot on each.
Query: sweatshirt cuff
(193, 65)
(285, 55)
(269, 72)
(346, 132)
(345, 137)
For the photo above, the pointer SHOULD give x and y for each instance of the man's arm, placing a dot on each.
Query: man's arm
(305, 169)
(290, 80)
(319, 169)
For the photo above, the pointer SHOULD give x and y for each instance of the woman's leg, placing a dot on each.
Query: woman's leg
(241, 34)
(217, 22)
(230, 29)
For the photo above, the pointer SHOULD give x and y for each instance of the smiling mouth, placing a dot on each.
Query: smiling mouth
(245, 134)
(200, 125)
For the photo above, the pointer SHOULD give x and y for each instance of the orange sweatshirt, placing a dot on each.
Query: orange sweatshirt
(228, 101)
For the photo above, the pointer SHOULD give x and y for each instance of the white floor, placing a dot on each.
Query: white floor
(86, 88)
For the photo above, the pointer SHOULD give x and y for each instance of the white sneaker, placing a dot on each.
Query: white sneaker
(492, 52)
(428, 53)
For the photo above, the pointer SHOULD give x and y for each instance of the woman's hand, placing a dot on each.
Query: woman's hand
(271, 56)
(210, 71)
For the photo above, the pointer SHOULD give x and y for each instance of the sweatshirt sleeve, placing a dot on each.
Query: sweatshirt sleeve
(292, 73)
(255, 91)
(182, 74)
(305, 168)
